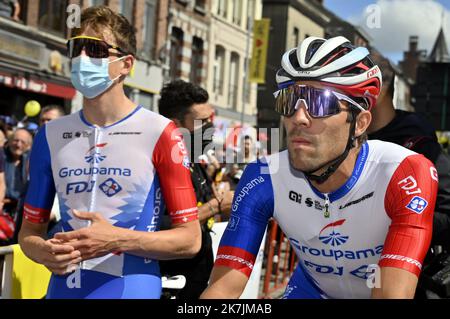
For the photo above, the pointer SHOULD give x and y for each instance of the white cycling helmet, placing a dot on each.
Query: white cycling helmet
(334, 61)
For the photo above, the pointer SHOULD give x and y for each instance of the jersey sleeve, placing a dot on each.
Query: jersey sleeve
(41, 189)
(173, 168)
(252, 207)
(409, 201)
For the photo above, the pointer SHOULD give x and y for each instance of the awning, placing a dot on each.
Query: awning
(32, 81)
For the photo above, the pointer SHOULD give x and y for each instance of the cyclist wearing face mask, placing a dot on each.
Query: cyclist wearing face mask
(348, 207)
(115, 167)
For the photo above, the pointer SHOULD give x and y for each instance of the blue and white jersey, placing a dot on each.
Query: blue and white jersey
(128, 172)
(382, 216)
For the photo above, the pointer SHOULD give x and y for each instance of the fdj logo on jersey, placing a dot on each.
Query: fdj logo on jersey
(334, 238)
(417, 205)
(93, 155)
(110, 187)
(80, 187)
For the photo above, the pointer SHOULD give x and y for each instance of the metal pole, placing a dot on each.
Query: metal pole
(246, 59)
(444, 103)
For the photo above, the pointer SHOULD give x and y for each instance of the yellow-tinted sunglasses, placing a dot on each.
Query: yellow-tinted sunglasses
(94, 47)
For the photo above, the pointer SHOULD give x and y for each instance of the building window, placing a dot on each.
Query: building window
(200, 4)
(176, 50)
(52, 16)
(237, 11)
(148, 29)
(233, 81)
(126, 8)
(251, 13)
(296, 37)
(222, 8)
(219, 65)
(197, 61)
(94, 3)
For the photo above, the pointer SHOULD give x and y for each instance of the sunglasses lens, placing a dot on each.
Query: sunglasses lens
(97, 49)
(320, 103)
(285, 101)
(93, 48)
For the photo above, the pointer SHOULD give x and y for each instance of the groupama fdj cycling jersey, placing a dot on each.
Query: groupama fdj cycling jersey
(382, 215)
(128, 172)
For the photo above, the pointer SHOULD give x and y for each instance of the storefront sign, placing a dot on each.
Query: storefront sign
(21, 48)
(36, 86)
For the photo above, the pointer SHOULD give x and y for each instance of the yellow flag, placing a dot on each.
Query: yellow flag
(261, 30)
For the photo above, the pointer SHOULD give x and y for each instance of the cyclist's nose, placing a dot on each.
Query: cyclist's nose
(301, 116)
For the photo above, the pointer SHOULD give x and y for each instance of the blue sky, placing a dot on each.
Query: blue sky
(347, 8)
(399, 20)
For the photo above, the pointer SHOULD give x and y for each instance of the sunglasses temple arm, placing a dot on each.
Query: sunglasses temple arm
(346, 98)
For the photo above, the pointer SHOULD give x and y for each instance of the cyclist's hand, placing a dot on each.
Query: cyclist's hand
(226, 202)
(58, 257)
(94, 241)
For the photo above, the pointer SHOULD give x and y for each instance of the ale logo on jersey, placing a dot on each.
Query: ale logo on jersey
(93, 155)
(417, 205)
(330, 236)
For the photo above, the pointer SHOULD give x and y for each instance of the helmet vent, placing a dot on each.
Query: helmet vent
(312, 49)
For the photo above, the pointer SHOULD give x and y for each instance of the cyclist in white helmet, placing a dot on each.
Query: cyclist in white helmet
(358, 213)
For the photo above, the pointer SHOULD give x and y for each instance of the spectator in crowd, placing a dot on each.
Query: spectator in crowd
(16, 167)
(6, 223)
(186, 104)
(244, 157)
(49, 113)
(3, 135)
(413, 131)
(249, 150)
(213, 165)
(17, 153)
(10, 123)
(10, 9)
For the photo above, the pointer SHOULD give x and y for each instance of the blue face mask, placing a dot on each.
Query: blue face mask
(91, 76)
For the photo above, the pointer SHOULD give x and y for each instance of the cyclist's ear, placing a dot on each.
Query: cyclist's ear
(363, 120)
(128, 63)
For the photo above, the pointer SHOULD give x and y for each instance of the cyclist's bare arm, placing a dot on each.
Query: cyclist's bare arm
(55, 256)
(102, 238)
(32, 236)
(225, 283)
(182, 241)
(395, 284)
